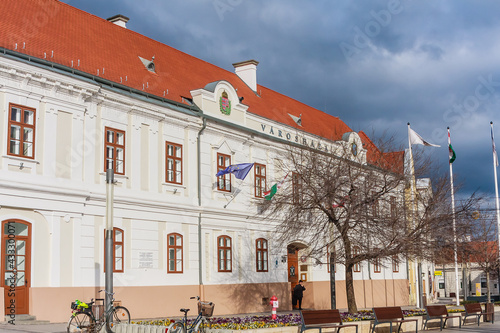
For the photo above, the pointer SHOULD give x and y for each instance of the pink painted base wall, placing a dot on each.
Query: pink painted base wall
(165, 301)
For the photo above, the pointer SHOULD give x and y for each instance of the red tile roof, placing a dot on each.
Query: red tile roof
(68, 36)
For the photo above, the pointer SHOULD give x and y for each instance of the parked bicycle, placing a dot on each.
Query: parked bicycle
(91, 317)
(199, 324)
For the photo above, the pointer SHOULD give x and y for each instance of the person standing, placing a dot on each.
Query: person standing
(298, 293)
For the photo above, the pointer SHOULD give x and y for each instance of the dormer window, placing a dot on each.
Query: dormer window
(149, 64)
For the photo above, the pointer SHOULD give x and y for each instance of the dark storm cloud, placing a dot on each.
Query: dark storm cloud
(375, 64)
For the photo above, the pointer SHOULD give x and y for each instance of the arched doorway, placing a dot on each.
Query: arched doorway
(16, 265)
(293, 264)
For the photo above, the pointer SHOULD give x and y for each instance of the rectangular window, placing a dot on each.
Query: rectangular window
(114, 150)
(224, 181)
(374, 204)
(441, 285)
(224, 254)
(393, 207)
(355, 253)
(260, 180)
(174, 248)
(296, 188)
(395, 264)
(261, 254)
(376, 265)
(21, 140)
(483, 283)
(118, 244)
(174, 163)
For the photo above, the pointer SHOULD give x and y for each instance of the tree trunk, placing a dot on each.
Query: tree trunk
(349, 288)
(488, 291)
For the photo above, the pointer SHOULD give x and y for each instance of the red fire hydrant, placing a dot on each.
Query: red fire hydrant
(274, 304)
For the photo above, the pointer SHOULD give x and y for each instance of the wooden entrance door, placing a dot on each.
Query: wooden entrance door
(293, 266)
(16, 265)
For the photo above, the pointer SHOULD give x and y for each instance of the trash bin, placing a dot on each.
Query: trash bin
(489, 307)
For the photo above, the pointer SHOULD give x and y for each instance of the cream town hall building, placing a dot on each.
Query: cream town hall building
(80, 94)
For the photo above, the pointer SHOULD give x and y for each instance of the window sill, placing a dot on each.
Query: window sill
(21, 159)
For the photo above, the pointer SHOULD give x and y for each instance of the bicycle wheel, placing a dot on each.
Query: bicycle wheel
(119, 314)
(203, 326)
(80, 322)
(177, 327)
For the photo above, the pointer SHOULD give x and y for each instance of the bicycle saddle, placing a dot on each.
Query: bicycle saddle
(185, 310)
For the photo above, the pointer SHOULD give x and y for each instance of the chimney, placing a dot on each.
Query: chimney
(247, 71)
(120, 20)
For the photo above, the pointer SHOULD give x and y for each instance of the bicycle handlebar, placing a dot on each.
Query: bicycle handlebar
(107, 292)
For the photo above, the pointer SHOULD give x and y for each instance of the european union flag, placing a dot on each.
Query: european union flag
(240, 171)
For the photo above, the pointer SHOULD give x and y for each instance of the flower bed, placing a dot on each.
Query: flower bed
(255, 322)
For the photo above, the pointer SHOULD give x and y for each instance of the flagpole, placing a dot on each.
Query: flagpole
(412, 179)
(454, 222)
(495, 165)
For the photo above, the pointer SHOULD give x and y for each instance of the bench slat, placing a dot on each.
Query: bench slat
(323, 319)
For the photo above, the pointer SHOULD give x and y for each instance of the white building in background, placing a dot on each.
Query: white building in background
(79, 94)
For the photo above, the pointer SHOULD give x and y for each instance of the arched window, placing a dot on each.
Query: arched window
(174, 248)
(261, 254)
(224, 253)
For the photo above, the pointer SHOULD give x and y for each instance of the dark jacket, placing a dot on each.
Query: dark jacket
(298, 291)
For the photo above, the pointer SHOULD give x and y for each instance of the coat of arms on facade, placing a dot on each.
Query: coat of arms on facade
(225, 103)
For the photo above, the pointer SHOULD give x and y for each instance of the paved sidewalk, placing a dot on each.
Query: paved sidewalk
(61, 328)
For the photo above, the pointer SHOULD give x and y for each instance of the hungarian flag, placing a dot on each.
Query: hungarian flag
(453, 156)
(268, 195)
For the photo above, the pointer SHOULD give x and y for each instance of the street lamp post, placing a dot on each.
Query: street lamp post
(108, 250)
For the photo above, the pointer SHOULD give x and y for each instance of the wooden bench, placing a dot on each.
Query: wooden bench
(319, 319)
(392, 314)
(474, 309)
(440, 312)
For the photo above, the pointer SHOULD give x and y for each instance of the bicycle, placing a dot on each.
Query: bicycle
(205, 310)
(89, 317)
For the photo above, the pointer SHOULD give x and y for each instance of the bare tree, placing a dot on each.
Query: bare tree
(478, 249)
(359, 205)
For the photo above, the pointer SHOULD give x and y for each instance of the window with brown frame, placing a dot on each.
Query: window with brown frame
(393, 207)
(357, 266)
(374, 205)
(395, 264)
(118, 244)
(296, 188)
(260, 180)
(224, 253)
(174, 163)
(376, 264)
(21, 131)
(224, 181)
(114, 150)
(261, 254)
(174, 248)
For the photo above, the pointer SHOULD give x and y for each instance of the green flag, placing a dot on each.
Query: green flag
(453, 156)
(270, 194)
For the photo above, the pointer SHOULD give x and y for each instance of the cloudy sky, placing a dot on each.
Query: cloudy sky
(375, 64)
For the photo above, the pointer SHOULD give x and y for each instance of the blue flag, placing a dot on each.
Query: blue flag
(240, 171)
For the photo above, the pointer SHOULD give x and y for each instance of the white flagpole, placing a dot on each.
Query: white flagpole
(412, 179)
(454, 225)
(495, 164)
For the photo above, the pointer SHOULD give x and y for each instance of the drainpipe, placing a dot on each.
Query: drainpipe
(200, 263)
